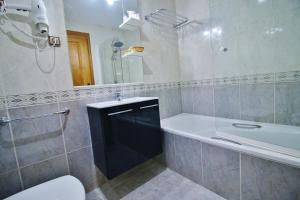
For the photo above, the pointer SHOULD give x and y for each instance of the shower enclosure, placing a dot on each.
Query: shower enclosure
(257, 79)
(117, 68)
(117, 63)
(114, 68)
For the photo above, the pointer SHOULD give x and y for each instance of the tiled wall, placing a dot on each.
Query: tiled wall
(58, 145)
(260, 37)
(271, 98)
(198, 97)
(35, 151)
(231, 174)
(19, 75)
(18, 70)
(42, 149)
(195, 51)
(160, 58)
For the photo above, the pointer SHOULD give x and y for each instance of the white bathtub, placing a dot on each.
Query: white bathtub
(274, 142)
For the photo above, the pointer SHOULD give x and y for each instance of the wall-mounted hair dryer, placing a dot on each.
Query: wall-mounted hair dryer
(38, 14)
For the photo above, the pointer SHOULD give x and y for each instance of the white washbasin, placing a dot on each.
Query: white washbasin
(63, 188)
(107, 104)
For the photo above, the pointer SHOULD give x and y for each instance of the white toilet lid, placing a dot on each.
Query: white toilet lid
(63, 188)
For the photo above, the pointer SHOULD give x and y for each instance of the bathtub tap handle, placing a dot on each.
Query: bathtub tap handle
(225, 140)
(246, 126)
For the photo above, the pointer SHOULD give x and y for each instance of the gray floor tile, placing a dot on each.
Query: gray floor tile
(95, 195)
(171, 186)
(122, 185)
(167, 185)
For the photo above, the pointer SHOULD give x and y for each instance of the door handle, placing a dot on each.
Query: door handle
(120, 112)
(150, 106)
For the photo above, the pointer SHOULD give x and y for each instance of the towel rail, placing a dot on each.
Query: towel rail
(6, 120)
(166, 17)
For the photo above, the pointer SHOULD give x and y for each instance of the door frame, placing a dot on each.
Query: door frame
(87, 36)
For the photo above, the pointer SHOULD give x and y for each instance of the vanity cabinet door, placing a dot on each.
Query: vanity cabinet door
(119, 132)
(148, 131)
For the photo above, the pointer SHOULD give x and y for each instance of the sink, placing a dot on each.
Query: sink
(107, 104)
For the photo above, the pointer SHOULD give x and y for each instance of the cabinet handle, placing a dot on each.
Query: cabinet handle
(120, 112)
(151, 106)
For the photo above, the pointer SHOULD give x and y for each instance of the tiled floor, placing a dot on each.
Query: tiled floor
(166, 185)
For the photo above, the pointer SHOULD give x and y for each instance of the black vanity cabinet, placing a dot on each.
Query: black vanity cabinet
(125, 136)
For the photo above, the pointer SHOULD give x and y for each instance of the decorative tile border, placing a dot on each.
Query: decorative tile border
(2, 103)
(293, 76)
(74, 94)
(226, 81)
(23, 100)
(258, 78)
(247, 79)
(31, 99)
(197, 83)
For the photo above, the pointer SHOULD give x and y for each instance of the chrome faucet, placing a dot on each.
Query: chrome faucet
(118, 96)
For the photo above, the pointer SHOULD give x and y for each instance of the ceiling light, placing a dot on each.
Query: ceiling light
(261, 1)
(111, 2)
(206, 33)
(217, 31)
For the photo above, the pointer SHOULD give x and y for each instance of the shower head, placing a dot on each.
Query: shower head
(117, 44)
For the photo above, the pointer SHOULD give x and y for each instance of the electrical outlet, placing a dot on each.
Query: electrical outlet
(54, 41)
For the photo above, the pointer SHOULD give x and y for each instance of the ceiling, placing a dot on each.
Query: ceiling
(94, 12)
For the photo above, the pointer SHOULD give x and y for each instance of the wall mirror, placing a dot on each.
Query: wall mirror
(104, 41)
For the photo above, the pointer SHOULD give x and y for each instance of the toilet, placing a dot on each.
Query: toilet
(63, 188)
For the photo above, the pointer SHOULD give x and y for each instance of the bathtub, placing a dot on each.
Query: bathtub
(269, 141)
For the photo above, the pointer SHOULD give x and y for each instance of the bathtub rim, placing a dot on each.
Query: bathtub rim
(253, 151)
(260, 145)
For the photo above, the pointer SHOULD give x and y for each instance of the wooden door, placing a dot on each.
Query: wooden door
(80, 58)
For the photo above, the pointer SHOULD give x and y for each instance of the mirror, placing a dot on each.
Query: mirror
(104, 41)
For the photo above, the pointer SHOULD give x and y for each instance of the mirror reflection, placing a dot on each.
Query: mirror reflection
(104, 41)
